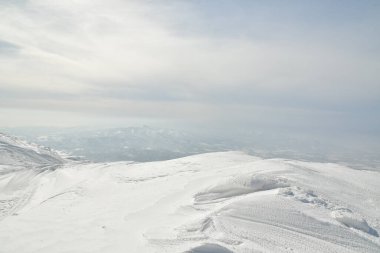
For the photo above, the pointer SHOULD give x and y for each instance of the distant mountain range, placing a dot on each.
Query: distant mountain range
(146, 143)
(125, 144)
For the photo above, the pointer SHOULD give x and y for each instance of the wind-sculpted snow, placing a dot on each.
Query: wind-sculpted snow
(210, 203)
(239, 185)
(352, 220)
(16, 154)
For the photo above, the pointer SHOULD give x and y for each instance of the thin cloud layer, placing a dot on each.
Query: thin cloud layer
(247, 61)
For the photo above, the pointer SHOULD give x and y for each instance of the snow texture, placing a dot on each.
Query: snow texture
(209, 203)
(17, 153)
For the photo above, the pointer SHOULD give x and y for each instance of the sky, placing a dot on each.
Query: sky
(298, 65)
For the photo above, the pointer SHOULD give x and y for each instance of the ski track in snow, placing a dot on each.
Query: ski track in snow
(211, 203)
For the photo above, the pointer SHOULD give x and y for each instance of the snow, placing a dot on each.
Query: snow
(216, 202)
(17, 153)
(352, 220)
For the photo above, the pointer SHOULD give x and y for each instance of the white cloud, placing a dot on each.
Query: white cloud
(100, 56)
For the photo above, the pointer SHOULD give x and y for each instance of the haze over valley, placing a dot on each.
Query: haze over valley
(189, 126)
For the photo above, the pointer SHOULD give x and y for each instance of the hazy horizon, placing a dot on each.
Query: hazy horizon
(192, 126)
(285, 72)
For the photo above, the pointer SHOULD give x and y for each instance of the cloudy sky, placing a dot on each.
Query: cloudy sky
(277, 64)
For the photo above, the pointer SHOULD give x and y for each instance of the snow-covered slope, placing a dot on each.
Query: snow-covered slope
(16, 152)
(217, 202)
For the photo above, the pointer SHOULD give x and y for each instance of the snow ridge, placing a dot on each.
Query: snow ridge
(17, 152)
(216, 202)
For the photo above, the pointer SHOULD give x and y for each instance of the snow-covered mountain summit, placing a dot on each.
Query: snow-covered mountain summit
(216, 202)
(17, 152)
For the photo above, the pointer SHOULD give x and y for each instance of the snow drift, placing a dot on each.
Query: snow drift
(217, 202)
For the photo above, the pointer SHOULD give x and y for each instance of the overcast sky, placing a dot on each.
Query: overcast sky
(277, 64)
